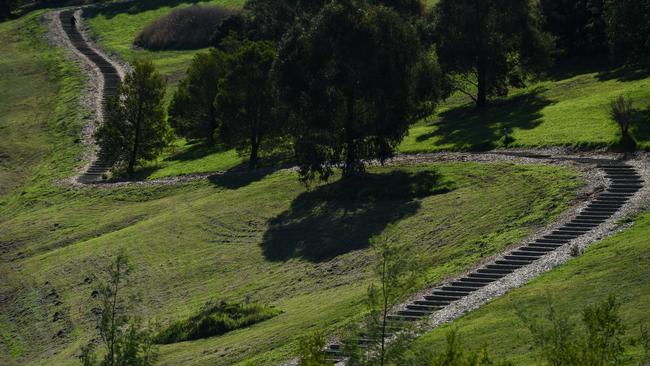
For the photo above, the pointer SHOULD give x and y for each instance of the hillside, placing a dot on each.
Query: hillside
(263, 236)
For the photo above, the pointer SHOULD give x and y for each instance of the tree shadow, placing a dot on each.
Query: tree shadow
(571, 67)
(466, 128)
(240, 176)
(641, 129)
(625, 73)
(196, 151)
(110, 10)
(343, 216)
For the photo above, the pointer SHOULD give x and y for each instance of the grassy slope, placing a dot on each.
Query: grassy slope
(31, 124)
(568, 110)
(225, 238)
(620, 265)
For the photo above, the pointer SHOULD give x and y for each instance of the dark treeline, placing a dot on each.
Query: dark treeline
(339, 82)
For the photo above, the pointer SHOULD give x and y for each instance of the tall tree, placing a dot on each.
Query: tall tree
(578, 26)
(7, 7)
(490, 45)
(191, 112)
(246, 104)
(351, 81)
(134, 126)
(628, 29)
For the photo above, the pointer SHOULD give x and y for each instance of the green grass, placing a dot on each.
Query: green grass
(619, 265)
(34, 126)
(568, 109)
(117, 26)
(228, 238)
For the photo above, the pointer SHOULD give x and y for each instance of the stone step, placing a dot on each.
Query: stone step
(528, 253)
(513, 262)
(485, 276)
(582, 224)
(418, 306)
(448, 294)
(566, 231)
(461, 289)
(553, 240)
(529, 249)
(545, 245)
(434, 303)
(600, 209)
(442, 298)
(521, 258)
(561, 236)
(416, 313)
(494, 271)
(468, 284)
(477, 280)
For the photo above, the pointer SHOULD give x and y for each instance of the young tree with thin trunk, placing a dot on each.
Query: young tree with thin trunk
(351, 82)
(488, 46)
(395, 272)
(124, 340)
(247, 105)
(135, 127)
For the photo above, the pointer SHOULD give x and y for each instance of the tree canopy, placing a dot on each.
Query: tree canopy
(191, 111)
(490, 45)
(628, 27)
(134, 126)
(351, 80)
(247, 103)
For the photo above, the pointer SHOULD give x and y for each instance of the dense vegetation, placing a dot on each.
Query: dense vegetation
(216, 318)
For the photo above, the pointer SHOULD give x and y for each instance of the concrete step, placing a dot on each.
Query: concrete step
(559, 236)
(502, 266)
(477, 280)
(545, 245)
(416, 313)
(528, 253)
(494, 271)
(566, 231)
(582, 224)
(529, 249)
(461, 289)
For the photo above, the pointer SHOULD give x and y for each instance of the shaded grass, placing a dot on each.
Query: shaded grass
(201, 241)
(619, 265)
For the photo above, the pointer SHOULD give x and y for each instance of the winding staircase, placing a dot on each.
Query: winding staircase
(624, 182)
(111, 81)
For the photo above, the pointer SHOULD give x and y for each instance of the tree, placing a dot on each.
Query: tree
(395, 272)
(134, 126)
(598, 343)
(578, 26)
(621, 111)
(351, 81)
(310, 350)
(125, 341)
(7, 7)
(490, 45)
(246, 104)
(628, 26)
(192, 113)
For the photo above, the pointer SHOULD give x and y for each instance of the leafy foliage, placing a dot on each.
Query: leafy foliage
(247, 103)
(191, 112)
(216, 318)
(126, 341)
(350, 81)
(577, 25)
(622, 112)
(598, 343)
(183, 28)
(628, 26)
(310, 350)
(490, 45)
(456, 355)
(134, 126)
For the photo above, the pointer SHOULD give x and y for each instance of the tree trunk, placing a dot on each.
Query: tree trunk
(350, 164)
(481, 99)
(255, 147)
(136, 139)
(212, 127)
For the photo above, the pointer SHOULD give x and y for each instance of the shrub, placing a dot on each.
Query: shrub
(214, 319)
(184, 28)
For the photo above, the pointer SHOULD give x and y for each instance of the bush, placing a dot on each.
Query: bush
(182, 29)
(216, 318)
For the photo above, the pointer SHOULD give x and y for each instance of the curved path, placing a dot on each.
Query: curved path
(110, 79)
(623, 184)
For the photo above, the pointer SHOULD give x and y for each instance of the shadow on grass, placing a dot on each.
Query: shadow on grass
(641, 129)
(625, 73)
(466, 128)
(343, 216)
(110, 10)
